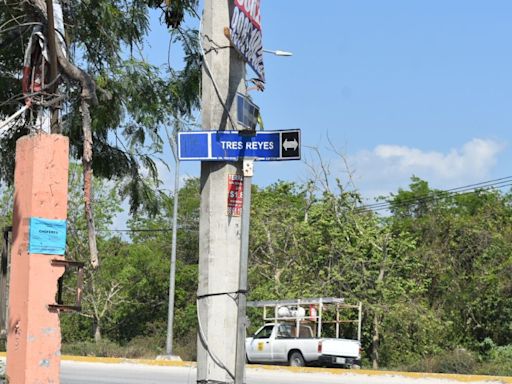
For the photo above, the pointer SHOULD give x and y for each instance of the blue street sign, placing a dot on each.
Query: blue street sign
(236, 145)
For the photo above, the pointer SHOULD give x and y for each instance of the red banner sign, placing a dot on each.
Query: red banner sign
(246, 34)
(235, 194)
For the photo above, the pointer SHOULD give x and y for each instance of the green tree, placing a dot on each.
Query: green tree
(149, 252)
(103, 288)
(277, 212)
(310, 243)
(114, 101)
(463, 243)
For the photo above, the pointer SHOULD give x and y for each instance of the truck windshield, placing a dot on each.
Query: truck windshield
(265, 332)
(284, 331)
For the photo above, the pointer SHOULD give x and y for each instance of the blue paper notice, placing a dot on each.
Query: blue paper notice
(47, 237)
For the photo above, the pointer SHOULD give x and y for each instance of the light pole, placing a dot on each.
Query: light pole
(278, 53)
(172, 274)
(248, 170)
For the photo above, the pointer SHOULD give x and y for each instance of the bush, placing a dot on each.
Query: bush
(187, 346)
(103, 348)
(139, 347)
(457, 361)
(499, 362)
(144, 347)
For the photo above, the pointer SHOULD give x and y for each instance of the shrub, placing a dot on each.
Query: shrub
(144, 347)
(103, 348)
(457, 361)
(498, 363)
(139, 347)
(186, 347)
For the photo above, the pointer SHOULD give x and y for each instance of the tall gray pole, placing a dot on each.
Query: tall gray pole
(219, 233)
(248, 167)
(172, 274)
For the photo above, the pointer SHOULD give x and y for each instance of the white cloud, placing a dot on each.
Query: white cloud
(387, 167)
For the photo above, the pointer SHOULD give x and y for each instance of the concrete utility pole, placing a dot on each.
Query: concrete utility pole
(220, 234)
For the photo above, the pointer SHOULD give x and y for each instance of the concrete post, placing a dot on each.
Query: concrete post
(219, 248)
(41, 190)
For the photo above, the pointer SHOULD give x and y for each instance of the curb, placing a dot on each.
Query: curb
(333, 371)
(412, 375)
(121, 360)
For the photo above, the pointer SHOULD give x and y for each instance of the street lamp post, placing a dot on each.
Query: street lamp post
(278, 53)
(172, 274)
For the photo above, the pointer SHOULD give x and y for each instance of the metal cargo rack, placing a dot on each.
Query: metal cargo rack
(321, 305)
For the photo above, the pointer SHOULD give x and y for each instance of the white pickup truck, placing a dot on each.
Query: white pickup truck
(281, 343)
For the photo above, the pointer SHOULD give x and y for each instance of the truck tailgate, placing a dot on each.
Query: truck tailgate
(340, 347)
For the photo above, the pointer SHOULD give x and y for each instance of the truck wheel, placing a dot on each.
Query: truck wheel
(296, 359)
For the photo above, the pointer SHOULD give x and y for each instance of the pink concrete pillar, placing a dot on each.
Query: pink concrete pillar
(40, 190)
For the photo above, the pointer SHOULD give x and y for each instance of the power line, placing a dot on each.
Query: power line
(128, 230)
(483, 184)
(442, 194)
(434, 197)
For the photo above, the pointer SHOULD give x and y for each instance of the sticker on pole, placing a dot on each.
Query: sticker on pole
(47, 237)
(246, 34)
(235, 195)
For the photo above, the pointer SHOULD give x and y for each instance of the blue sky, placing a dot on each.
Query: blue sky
(399, 87)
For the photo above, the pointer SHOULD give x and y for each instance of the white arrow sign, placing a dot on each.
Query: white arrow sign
(290, 144)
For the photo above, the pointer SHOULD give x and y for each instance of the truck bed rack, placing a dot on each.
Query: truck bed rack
(321, 304)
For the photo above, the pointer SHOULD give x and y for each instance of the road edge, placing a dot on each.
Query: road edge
(333, 371)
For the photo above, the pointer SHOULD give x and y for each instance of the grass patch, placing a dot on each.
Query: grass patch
(137, 348)
(459, 361)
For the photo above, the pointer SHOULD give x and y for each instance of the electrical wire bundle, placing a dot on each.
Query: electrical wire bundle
(436, 195)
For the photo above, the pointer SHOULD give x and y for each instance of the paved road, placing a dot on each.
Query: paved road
(99, 373)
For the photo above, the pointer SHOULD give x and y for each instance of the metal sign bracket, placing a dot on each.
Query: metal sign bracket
(60, 306)
(248, 167)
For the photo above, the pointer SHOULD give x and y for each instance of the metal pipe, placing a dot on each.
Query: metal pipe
(337, 321)
(3, 283)
(4, 125)
(172, 273)
(360, 317)
(297, 323)
(320, 311)
(52, 45)
(248, 168)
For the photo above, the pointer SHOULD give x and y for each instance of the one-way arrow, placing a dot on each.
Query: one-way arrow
(290, 144)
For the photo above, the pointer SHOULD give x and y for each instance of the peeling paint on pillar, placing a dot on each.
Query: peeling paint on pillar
(44, 363)
(48, 331)
(41, 187)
